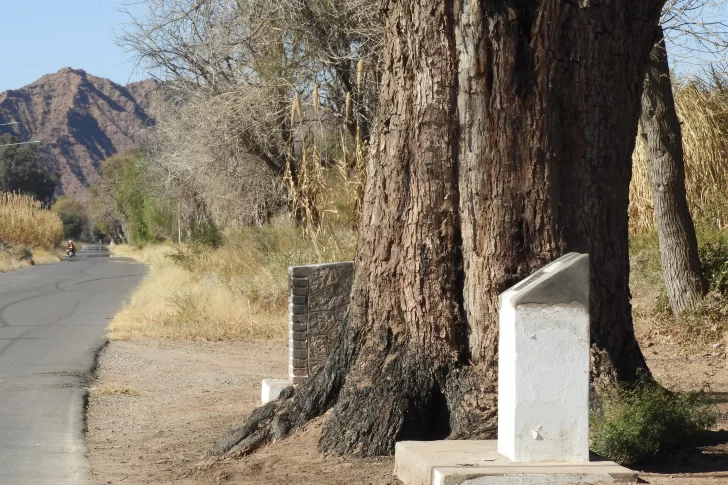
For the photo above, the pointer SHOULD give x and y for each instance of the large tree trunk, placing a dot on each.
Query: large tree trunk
(504, 140)
(660, 128)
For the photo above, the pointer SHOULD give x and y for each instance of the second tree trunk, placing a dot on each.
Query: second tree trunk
(660, 130)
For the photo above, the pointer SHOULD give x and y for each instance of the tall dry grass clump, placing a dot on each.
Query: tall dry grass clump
(702, 107)
(237, 291)
(23, 221)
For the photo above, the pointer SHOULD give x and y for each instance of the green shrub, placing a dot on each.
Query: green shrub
(634, 424)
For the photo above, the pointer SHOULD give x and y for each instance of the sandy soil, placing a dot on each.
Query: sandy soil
(191, 393)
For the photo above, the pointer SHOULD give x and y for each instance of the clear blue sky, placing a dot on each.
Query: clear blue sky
(39, 37)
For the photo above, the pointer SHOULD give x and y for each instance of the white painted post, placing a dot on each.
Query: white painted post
(543, 365)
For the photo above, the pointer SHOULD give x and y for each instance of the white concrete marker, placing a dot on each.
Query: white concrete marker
(271, 388)
(543, 365)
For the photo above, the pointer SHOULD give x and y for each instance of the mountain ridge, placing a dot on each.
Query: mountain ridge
(80, 120)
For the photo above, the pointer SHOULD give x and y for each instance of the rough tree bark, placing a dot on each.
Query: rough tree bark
(504, 140)
(660, 128)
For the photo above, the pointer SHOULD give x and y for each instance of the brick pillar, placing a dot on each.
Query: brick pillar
(318, 307)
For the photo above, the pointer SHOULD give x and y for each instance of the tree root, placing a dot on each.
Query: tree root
(387, 395)
(472, 394)
(295, 406)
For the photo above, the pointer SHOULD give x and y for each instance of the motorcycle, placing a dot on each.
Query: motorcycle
(71, 253)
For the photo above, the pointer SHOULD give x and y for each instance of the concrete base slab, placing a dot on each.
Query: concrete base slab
(479, 463)
(271, 388)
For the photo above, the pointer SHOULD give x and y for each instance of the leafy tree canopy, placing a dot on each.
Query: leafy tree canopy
(73, 215)
(20, 171)
(122, 204)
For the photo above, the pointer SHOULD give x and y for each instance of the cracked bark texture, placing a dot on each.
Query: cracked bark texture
(504, 140)
(660, 129)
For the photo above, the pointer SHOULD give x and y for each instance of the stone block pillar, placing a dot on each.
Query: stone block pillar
(543, 365)
(318, 305)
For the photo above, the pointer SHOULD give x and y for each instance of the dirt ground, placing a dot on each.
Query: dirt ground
(706, 462)
(191, 393)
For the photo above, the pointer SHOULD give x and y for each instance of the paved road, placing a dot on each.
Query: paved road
(52, 323)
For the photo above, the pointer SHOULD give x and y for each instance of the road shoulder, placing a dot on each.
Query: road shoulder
(157, 406)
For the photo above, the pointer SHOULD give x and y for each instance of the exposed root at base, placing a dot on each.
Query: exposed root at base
(388, 395)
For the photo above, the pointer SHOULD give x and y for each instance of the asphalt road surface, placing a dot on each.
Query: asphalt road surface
(52, 324)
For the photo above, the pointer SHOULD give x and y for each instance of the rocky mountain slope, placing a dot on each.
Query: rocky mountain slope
(80, 120)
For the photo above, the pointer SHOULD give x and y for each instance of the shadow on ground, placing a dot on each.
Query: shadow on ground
(707, 453)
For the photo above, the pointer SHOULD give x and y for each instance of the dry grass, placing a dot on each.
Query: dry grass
(706, 324)
(8, 263)
(237, 291)
(113, 390)
(11, 259)
(153, 255)
(703, 112)
(43, 256)
(24, 222)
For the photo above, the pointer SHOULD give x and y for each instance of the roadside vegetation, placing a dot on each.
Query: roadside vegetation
(127, 206)
(633, 424)
(22, 172)
(236, 288)
(29, 233)
(244, 264)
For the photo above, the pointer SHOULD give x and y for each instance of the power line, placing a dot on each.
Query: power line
(21, 143)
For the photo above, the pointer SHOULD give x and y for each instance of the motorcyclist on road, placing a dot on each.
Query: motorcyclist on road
(71, 249)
